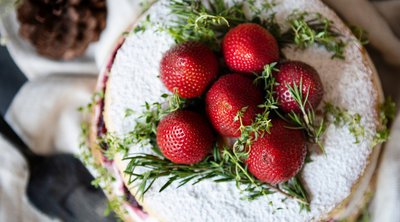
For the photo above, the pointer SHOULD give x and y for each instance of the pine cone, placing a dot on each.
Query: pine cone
(62, 29)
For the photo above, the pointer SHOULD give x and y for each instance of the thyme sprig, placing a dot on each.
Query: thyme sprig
(103, 177)
(387, 113)
(262, 121)
(360, 34)
(307, 29)
(266, 78)
(210, 21)
(196, 22)
(307, 119)
(145, 129)
(250, 133)
(222, 166)
(343, 117)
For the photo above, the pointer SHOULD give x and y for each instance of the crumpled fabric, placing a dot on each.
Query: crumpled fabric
(14, 205)
(44, 112)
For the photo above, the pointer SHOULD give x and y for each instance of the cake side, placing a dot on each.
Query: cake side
(152, 89)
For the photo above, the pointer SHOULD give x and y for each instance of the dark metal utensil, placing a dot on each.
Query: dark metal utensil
(59, 185)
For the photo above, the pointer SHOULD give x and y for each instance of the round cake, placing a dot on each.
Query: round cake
(336, 181)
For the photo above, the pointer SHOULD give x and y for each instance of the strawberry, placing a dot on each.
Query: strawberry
(185, 137)
(188, 69)
(278, 156)
(297, 72)
(229, 95)
(249, 47)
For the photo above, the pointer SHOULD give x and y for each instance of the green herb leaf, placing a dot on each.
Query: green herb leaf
(307, 29)
(342, 117)
(360, 34)
(307, 119)
(224, 166)
(196, 22)
(387, 114)
(103, 177)
(294, 187)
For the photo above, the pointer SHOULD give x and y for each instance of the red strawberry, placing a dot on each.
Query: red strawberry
(185, 137)
(229, 95)
(188, 68)
(277, 156)
(291, 72)
(249, 47)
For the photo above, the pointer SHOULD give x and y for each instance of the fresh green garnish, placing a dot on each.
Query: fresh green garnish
(222, 166)
(145, 129)
(268, 82)
(96, 97)
(262, 121)
(196, 22)
(103, 177)
(307, 29)
(307, 119)
(360, 34)
(343, 117)
(143, 25)
(208, 23)
(111, 144)
(250, 133)
(387, 113)
(295, 187)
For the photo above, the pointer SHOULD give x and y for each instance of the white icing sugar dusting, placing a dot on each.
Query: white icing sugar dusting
(328, 179)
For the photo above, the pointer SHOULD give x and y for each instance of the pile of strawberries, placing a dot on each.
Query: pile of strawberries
(192, 70)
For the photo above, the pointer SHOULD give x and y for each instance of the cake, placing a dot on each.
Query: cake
(336, 181)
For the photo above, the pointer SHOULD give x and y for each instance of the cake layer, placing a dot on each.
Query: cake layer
(350, 84)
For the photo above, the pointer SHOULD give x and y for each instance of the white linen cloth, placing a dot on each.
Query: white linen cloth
(44, 111)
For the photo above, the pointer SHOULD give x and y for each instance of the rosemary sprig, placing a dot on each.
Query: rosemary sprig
(344, 117)
(196, 22)
(209, 22)
(222, 166)
(295, 188)
(307, 119)
(307, 29)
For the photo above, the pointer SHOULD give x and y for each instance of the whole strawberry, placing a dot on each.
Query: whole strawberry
(297, 73)
(278, 156)
(185, 137)
(249, 47)
(188, 69)
(226, 97)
